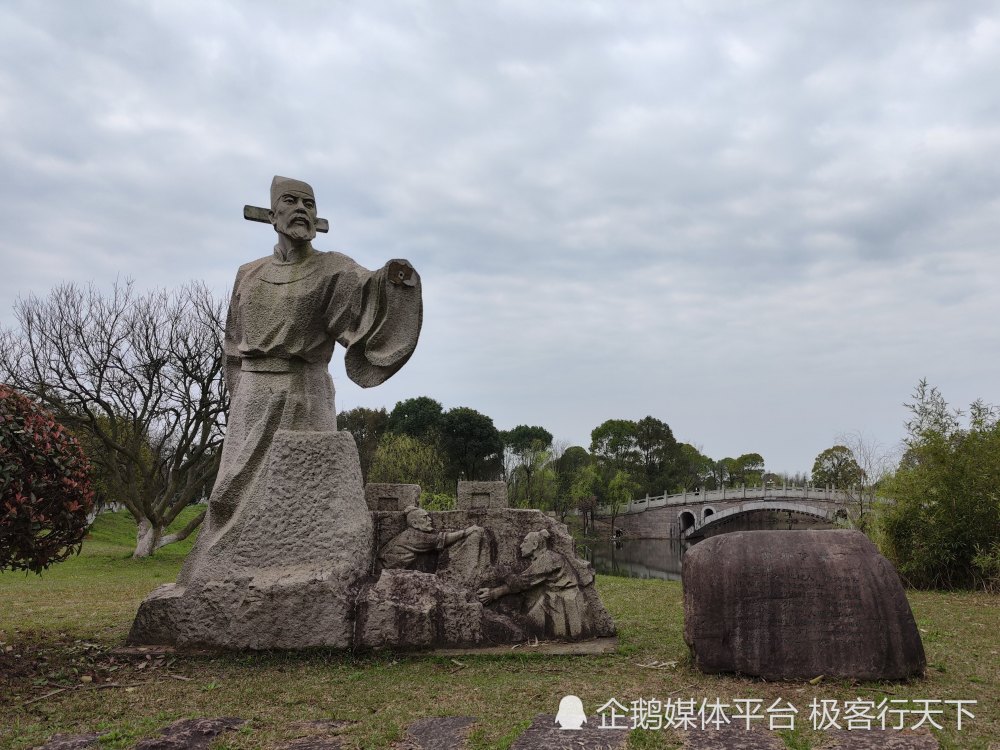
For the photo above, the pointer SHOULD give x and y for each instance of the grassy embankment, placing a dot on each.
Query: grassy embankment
(58, 631)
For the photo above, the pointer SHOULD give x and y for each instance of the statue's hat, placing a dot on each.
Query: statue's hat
(281, 185)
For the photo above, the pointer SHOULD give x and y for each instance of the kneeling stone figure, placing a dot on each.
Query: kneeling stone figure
(553, 603)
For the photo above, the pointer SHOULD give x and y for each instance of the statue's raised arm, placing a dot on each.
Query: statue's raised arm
(388, 326)
(290, 308)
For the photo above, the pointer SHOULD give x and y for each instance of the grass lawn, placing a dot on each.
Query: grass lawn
(58, 630)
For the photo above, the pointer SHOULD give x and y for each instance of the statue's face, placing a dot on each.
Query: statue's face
(421, 520)
(294, 216)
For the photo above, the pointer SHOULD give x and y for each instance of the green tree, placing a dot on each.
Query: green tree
(621, 490)
(367, 427)
(472, 444)
(142, 376)
(584, 493)
(526, 450)
(545, 492)
(565, 470)
(527, 437)
(695, 468)
(613, 443)
(747, 470)
(401, 459)
(722, 472)
(659, 456)
(420, 417)
(837, 467)
(942, 526)
(572, 460)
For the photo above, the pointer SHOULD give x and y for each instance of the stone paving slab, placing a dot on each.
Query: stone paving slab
(878, 739)
(545, 734)
(312, 743)
(437, 733)
(70, 742)
(189, 734)
(320, 735)
(732, 738)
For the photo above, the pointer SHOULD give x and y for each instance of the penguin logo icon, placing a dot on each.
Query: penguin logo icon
(571, 714)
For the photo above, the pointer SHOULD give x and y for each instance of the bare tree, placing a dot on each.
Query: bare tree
(140, 377)
(876, 461)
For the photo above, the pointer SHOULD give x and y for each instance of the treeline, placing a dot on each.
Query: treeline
(422, 443)
(940, 522)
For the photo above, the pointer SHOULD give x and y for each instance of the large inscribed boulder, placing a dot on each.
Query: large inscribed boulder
(793, 604)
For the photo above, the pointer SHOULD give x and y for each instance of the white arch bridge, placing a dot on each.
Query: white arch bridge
(692, 514)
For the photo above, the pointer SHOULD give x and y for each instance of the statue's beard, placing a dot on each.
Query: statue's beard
(299, 231)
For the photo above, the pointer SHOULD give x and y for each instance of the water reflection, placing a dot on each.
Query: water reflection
(637, 558)
(661, 558)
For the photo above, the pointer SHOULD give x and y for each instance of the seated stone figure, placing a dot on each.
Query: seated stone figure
(552, 600)
(419, 537)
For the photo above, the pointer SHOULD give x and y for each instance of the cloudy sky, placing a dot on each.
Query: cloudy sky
(761, 222)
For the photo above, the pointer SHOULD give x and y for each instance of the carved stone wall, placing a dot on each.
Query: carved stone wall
(481, 495)
(391, 497)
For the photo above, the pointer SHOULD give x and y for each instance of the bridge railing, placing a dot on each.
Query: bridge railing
(730, 494)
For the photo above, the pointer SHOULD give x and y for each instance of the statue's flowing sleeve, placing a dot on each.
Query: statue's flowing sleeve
(386, 325)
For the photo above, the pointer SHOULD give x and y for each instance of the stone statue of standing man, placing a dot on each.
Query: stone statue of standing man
(287, 312)
(287, 514)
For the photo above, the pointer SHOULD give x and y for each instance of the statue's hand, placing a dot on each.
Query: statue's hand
(485, 595)
(401, 272)
(472, 530)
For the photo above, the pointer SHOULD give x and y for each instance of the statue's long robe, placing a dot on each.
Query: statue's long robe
(284, 320)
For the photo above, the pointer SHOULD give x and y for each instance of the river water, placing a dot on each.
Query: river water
(637, 558)
(661, 558)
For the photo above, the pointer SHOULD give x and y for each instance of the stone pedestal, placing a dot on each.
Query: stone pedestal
(410, 609)
(286, 569)
(798, 604)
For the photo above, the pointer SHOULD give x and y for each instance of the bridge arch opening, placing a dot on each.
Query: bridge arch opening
(708, 512)
(685, 520)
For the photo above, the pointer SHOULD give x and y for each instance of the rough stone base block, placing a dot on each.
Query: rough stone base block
(291, 610)
(793, 604)
(285, 570)
(407, 608)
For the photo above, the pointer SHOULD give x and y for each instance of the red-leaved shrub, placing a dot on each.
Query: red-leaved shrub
(45, 492)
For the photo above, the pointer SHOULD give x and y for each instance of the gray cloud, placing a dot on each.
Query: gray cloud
(761, 222)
